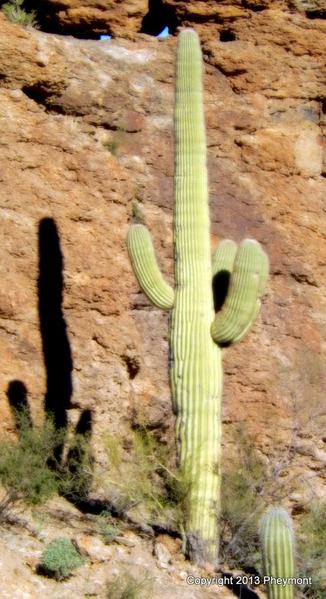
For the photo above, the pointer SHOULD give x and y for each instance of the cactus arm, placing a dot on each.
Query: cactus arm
(277, 543)
(242, 303)
(223, 257)
(143, 260)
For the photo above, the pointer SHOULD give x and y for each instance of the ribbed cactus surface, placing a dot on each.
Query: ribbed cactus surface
(196, 333)
(146, 269)
(277, 543)
(196, 372)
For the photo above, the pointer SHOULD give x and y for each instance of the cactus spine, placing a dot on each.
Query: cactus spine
(196, 333)
(277, 542)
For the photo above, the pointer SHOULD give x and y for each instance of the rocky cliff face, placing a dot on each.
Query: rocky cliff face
(86, 143)
(93, 17)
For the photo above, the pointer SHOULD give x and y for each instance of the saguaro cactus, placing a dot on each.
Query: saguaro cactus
(196, 333)
(277, 542)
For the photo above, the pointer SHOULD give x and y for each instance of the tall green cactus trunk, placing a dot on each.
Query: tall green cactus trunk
(196, 335)
(196, 374)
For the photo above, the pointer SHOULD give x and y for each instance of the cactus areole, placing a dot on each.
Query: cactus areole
(197, 334)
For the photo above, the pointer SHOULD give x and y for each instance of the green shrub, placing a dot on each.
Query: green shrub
(142, 476)
(59, 559)
(31, 467)
(132, 473)
(15, 13)
(312, 550)
(24, 463)
(243, 503)
(107, 527)
(126, 587)
(76, 473)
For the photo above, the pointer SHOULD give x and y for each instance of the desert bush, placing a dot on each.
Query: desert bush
(312, 550)
(143, 475)
(30, 468)
(107, 527)
(243, 502)
(75, 474)
(146, 453)
(15, 12)
(24, 463)
(59, 559)
(126, 586)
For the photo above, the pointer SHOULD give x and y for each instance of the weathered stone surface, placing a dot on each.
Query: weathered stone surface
(208, 11)
(90, 18)
(86, 131)
(162, 554)
(93, 548)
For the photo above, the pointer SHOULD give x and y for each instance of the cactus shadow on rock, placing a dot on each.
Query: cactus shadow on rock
(17, 397)
(77, 468)
(55, 341)
(66, 460)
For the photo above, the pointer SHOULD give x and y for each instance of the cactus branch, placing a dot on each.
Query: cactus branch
(242, 303)
(145, 267)
(223, 257)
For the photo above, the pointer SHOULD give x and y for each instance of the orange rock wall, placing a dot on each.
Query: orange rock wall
(86, 130)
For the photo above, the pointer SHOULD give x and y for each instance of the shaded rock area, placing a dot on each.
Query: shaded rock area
(86, 136)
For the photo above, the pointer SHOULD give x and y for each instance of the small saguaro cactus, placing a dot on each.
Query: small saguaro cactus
(277, 544)
(197, 334)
